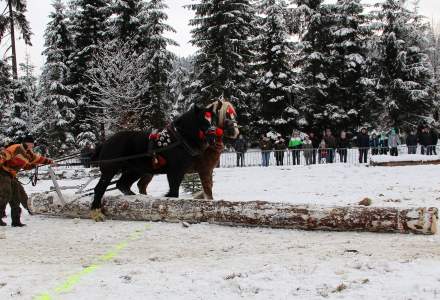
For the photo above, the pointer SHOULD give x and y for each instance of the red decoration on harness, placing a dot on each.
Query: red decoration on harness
(208, 116)
(219, 132)
(158, 162)
(230, 110)
(153, 136)
(201, 135)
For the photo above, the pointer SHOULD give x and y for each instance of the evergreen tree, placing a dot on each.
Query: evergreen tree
(434, 56)
(23, 107)
(125, 22)
(160, 64)
(351, 98)
(5, 98)
(88, 26)
(57, 105)
(180, 85)
(406, 81)
(222, 32)
(12, 17)
(335, 68)
(276, 79)
(315, 23)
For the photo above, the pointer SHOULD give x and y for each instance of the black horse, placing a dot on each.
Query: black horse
(135, 154)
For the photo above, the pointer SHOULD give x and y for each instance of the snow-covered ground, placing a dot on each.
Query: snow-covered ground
(168, 261)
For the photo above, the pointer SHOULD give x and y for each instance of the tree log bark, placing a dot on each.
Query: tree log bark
(404, 163)
(252, 213)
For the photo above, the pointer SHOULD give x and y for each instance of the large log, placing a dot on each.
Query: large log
(404, 163)
(252, 213)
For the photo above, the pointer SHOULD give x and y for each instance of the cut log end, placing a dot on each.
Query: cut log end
(252, 213)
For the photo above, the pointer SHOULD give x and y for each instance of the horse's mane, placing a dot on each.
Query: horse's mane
(188, 124)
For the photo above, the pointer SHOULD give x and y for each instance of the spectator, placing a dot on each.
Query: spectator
(265, 146)
(86, 155)
(331, 144)
(280, 147)
(411, 142)
(393, 142)
(308, 150)
(374, 144)
(434, 139)
(425, 140)
(240, 147)
(383, 144)
(343, 145)
(295, 145)
(322, 152)
(315, 143)
(363, 143)
(41, 147)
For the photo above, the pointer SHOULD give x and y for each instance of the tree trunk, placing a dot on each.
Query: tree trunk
(404, 163)
(253, 213)
(14, 52)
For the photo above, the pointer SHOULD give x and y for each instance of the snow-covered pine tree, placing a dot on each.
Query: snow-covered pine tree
(152, 37)
(56, 104)
(222, 31)
(434, 56)
(180, 85)
(314, 59)
(23, 108)
(335, 66)
(124, 22)
(88, 26)
(406, 74)
(13, 18)
(6, 98)
(275, 83)
(351, 99)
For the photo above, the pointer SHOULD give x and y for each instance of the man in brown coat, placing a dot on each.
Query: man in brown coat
(13, 159)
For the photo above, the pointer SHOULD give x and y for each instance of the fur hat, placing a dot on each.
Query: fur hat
(28, 139)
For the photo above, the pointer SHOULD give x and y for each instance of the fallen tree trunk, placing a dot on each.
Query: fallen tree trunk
(253, 213)
(404, 163)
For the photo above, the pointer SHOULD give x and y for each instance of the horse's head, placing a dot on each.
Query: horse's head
(195, 124)
(224, 117)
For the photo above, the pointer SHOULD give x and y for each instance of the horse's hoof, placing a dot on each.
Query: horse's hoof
(126, 192)
(97, 215)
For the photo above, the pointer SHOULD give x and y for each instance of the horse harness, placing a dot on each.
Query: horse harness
(169, 138)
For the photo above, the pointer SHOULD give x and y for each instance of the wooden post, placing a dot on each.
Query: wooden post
(252, 213)
(55, 185)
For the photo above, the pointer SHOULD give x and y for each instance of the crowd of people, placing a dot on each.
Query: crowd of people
(325, 147)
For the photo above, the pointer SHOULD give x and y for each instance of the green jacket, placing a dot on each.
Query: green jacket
(295, 143)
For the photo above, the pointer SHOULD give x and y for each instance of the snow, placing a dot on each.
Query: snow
(207, 261)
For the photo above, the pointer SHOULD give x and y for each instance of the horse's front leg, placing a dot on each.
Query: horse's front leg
(100, 188)
(174, 181)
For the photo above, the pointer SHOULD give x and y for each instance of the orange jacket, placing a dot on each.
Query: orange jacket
(16, 157)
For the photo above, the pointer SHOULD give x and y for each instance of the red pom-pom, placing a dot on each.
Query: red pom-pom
(219, 132)
(153, 136)
(208, 115)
